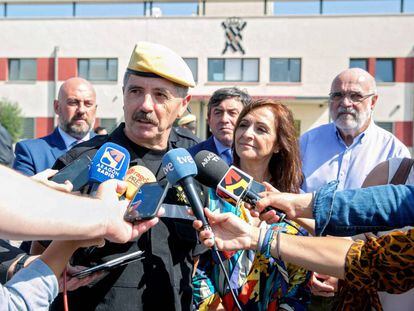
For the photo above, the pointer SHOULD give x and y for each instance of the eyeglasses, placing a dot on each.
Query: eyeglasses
(354, 97)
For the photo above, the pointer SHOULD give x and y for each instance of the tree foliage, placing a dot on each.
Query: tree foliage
(11, 118)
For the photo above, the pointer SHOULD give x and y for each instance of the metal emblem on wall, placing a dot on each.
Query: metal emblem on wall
(233, 27)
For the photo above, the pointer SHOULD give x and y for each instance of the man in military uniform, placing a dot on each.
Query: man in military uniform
(155, 90)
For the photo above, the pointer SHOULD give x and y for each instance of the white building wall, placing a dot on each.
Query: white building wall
(324, 43)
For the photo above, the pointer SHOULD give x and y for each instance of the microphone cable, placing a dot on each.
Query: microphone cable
(226, 277)
(65, 290)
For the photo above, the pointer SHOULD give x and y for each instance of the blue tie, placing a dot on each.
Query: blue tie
(227, 156)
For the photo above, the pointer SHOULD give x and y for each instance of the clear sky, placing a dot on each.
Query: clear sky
(185, 8)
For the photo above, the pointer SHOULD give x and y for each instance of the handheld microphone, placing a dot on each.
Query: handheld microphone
(179, 167)
(232, 184)
(77, 172)
(136, 176)
(111, 161)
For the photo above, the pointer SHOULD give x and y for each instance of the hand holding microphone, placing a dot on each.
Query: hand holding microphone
(117, 229)
(135, 177)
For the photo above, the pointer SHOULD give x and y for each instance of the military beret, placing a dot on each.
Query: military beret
(157, 61)
(187, 119)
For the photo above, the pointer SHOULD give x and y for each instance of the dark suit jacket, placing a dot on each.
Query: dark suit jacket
(36, 155)
(208, 144)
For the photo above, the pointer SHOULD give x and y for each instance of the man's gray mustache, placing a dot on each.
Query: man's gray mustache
(146, 117)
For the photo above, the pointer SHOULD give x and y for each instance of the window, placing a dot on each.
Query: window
(388, 126)
(359, 63)
(28, 128)
(285, 69)
(22, 69)
(98, 69)
(192, 63)
(176, 8)
(113, 9)
(109, 123)
(384, 70)
(24, 10)
(233, 69)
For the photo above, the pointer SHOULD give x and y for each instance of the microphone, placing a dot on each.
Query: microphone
(77, 172)
(136, 176)
(111, 161)
(232, 184)
(179, 167)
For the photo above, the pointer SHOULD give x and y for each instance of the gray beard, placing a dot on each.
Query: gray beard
(75, 131)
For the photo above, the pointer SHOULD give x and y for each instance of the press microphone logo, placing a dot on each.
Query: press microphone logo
(233, 185)
(136, 178)
(113, 158)
(111, 162)
(211, 157)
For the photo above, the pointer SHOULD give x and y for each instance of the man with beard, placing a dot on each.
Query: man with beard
(76, 110)
(346, 149)
(224, 108)
(155, 94)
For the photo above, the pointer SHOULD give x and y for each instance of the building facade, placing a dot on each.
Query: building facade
(234, 43)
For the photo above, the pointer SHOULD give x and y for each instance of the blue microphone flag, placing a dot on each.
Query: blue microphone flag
(178, 164)
(111, 161)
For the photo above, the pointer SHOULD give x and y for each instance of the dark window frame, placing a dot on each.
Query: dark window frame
(359, 59)
(385, 125)
(107, 78)
(242, 69)
(289, 59)
(393, 68)
(29, 122)
(10, 60)
(195, 76)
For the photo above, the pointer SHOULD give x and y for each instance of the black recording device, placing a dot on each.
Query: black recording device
(76, 172)
(146, 202)
(112, 264)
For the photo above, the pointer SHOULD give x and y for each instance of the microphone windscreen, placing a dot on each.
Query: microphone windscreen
(211, 168)
(111, 161)
(178, 164)
(135, 177)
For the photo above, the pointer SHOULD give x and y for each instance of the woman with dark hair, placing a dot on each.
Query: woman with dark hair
(265, 147)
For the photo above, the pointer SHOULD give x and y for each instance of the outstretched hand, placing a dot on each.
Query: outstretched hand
(43, 178)
(292, 204)
(229, 232)
(117, 229)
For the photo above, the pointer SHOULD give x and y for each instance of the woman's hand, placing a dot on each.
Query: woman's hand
(229, 232)
(293, 205)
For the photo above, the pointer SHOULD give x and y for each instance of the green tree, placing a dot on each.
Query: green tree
(11, 118)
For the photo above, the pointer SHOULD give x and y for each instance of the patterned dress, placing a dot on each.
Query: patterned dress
(379, 264)
(260, 282)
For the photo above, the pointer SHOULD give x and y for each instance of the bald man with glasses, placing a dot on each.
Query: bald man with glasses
(349, 147)
(346, 149)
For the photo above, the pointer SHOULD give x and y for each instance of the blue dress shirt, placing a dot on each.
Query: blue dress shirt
(326, 157)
